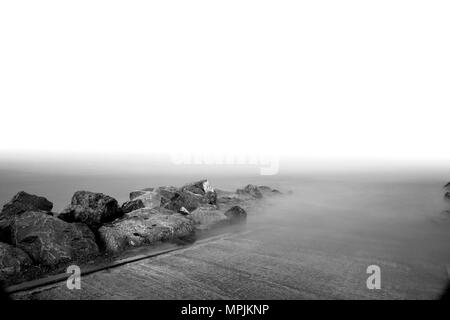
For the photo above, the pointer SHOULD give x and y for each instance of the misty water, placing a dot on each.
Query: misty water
(395, 221)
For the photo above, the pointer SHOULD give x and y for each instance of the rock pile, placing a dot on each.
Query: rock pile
(31, 235)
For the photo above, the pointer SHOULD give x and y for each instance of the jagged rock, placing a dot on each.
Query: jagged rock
(91, 208)
(135, 194)
(23, 201)
(191, 196)
(167, 193)
(189, 200)
(12, 260)
(250, 190)
(144, 230)
(19, 204)
(132, 205)
(199, 187)
(50, 241)
(236, 214)
(154, 197)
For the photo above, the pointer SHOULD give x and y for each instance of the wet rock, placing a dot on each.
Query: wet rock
(91, 208)
(12, 260)
(22, 202)
(201, 187)
(132, 205)
(208, 217)
(50, 241)
(19, 204)
(189, 200)
(236, 214)
(250, 190)
(135, 194)
(144, 230)
(167, 193)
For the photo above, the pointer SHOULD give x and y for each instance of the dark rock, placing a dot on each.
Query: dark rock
(251, 190)
(132, 205)
(447, 186)
(167, 193)
(236, 214)
(50, 241)
(12, 260)
(22, 202)
(189, 200)
(19, 204)
(144, 230)
(199, 187)
(447, 195)
(91, 208)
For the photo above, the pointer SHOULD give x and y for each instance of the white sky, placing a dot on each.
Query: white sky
(325, 79)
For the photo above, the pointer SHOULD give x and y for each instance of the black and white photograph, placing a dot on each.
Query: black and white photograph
(240, 151)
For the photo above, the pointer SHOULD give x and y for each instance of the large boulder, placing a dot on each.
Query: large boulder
(132, 205)
(23, 201)
(236, 214)
(144, 227)
(207, 217)
(91, 208)
(199, 187)
(189, 200)
(203, 188)
(19, 204)
(154, 197)
(12, 260)
(191, 196)
(50, 241)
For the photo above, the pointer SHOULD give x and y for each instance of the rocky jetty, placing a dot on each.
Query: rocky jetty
(93, 223)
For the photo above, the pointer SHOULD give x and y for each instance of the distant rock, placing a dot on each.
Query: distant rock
(23, 201)
(132, 205)
(199, 187)
(91, 208)
(447, 186)
(12, 260)
(189, 200)
(447, 195)
(236, 214)
(50, 241)
(251, 190)
(144, 229)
